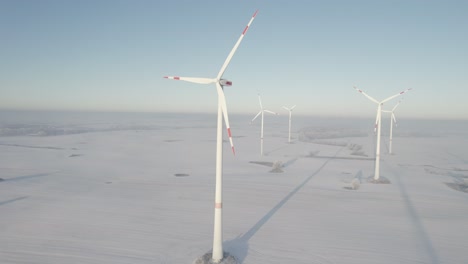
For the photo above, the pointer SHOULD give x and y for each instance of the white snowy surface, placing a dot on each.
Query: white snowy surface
(101, 189)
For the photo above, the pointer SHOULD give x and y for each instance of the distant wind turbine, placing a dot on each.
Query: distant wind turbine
(290, 113)
(262, 111)
(217, 254)
(378, 125)
(392, 120)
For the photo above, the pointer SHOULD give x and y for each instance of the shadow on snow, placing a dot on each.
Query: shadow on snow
(239, 246)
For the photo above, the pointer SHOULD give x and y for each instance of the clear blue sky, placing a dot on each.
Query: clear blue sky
(112, 55)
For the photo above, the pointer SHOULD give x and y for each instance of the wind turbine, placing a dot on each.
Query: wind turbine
(392, 120)
(217, 254)
(378, 126)
(290, 113)
(262, 111)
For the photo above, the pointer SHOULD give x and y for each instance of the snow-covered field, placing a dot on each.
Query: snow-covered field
(139, 188)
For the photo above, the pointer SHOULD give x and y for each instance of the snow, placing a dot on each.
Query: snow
(139, 188)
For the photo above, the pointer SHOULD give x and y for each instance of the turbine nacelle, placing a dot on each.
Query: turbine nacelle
(224, 82)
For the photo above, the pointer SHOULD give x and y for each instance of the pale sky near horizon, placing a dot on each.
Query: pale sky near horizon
(112, 55)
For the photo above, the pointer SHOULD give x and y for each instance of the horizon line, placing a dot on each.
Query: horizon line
(300, 114)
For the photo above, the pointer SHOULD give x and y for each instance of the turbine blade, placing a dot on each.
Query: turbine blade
(294, 106)
(192, 79)
(286, 108)
(366, 95)
(393, 96)
(229, 57)
(394, 119)
(222, 102)
(396, 105)
(271, 112)
(376, 122)
(256, 116)
(260, 101)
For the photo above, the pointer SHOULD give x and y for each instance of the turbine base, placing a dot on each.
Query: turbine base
(207, 259)
(380, 180)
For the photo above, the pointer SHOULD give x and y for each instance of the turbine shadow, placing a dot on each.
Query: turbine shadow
(25, 177)
(29, 146)
(359, 176)
(290, 162)
(13, 200)
(416, 221)
(239, 246)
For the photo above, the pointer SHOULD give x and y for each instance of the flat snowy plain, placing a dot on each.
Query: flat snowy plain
(139, 188)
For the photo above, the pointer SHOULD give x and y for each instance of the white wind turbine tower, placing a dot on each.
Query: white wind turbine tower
(217, 254)
(378, 125)
(392, 120)
(290, 113)
(262, 111)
